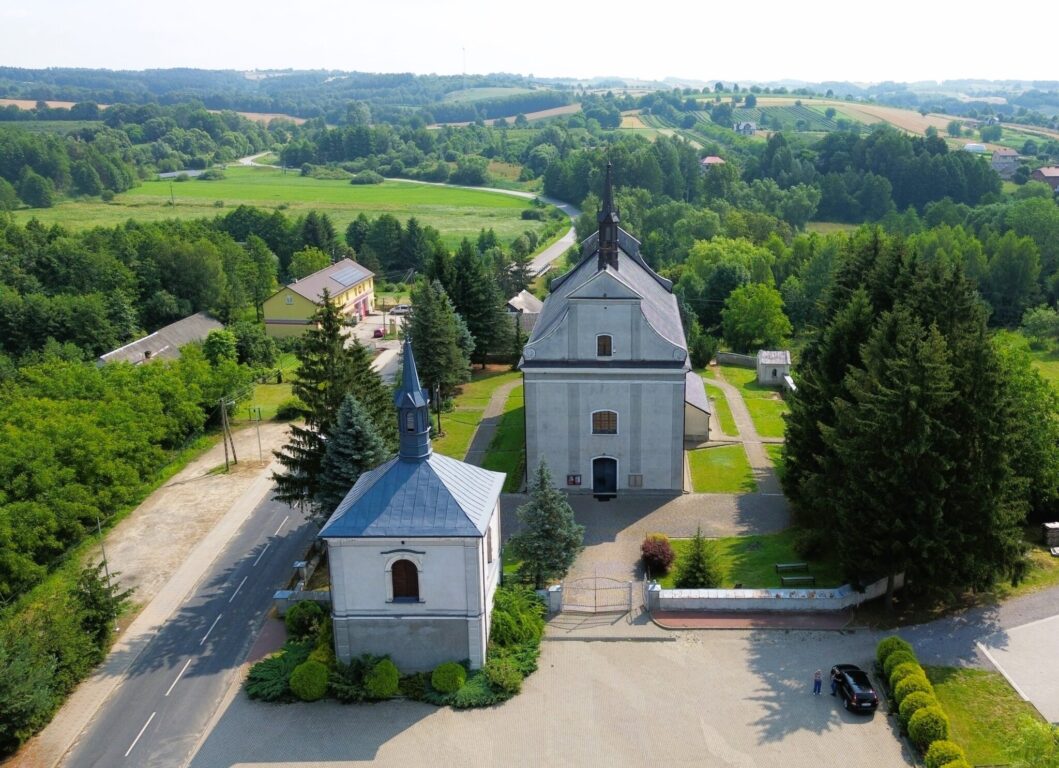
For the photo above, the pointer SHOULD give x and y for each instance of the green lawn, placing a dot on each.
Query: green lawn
(982, 708)
(751, 561)
(1048, 364)
(764, 403)
(459, 425)
(480, 94)
(507, 452)
(456, 213)
(720, 404)
(269, 396)
(723, 469)
(775, 452)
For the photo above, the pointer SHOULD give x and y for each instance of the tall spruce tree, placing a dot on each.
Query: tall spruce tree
(551, 538)
(353, 447)
(475, 296)
(330, 369)
(435, 329)
(699, 568)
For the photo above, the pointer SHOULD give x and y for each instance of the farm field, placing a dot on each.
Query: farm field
(52, 126)
(544, 114)
(260, 117)
(480, 94)
(455, 212)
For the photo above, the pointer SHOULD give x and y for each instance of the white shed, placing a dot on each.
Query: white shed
(773, 366)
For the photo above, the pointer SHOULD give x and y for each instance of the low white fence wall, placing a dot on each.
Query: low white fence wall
(734, 358)
(796, 600)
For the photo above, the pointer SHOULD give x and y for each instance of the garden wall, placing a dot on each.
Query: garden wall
(800, 600)
(732, 358)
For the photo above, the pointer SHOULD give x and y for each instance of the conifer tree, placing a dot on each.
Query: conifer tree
(353, 447)
(475, 296)
(435, 329)
(699, 569)
(551, 538)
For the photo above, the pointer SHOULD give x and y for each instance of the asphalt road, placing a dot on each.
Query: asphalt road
(156, 715)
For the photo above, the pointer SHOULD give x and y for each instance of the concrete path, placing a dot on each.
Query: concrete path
(494, 411)
(764, 474)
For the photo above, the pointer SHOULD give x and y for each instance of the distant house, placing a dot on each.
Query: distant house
(772, 366)
(1049, 174)
(745, 128)
(1004, 162)
(527, 307)
(350, 286)
(709, 162)
(165, 343)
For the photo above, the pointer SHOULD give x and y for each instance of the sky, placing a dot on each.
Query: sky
(762, 40)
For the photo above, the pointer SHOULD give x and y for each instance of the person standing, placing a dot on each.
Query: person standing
(818, 681)
(834, 681)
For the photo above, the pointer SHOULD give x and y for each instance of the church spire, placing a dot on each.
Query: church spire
(413, 411)
(608, 226)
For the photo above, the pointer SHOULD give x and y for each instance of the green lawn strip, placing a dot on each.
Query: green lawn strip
(767, 416)
(266, 396)
(983, 711)
(775, 452)
(751, 561)
(460, 424)
(1048, 364)
(722, 469)
(507, 451)
(720, 404)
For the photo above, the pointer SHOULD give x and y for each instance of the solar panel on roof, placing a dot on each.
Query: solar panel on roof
(346, 276)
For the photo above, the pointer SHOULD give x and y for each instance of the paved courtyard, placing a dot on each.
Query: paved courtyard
(691, 699)
(1028, 656)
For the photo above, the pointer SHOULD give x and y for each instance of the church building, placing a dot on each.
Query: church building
(610, 394)
(414, 550)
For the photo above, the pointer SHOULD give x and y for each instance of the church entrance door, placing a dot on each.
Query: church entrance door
(605, 477)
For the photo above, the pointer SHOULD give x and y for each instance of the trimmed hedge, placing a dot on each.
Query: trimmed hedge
(382, 680)
(896, 658)
(912, 703)
(910, 684)
(888, 645)
(304, 618)
(308, 681)
(448, 677)
(928, 725)
(901, 671)
(942, 753)
(503, 674)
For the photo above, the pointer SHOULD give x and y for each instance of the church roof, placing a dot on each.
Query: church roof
(435, 497)
(695, 392)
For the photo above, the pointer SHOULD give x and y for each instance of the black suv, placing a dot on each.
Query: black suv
(855, 688)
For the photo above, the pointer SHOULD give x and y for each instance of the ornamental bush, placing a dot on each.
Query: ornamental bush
(518, 617)
(961, 763)
(912, 703)
(308, 681)
(909, 685)
(657, 553)
(382, 680)
(888, 645)
(269, 679)
(901, 671)
(448, 677)
(928, 725)
(503, 675)
(895, 658)
(303, 618)
(943, 752)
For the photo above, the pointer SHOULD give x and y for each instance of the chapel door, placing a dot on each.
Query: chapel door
(604, 477)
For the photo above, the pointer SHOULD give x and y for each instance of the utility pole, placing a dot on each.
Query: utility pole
(260, 455)
(106, 566)
(228, 429)
(224, 434)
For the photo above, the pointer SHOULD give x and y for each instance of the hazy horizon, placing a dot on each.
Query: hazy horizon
(908, 41)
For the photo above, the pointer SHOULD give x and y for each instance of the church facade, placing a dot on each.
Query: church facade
(606, 373)
(414, 550)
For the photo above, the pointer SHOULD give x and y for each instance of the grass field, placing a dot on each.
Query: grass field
(455, 212)
(1048, 364)
(507, 451)
(269, 396)
(829, 227)
(764, 403)
(460, 424)
(723, 469)
(480, 94)
(751, 560)
(983, 711)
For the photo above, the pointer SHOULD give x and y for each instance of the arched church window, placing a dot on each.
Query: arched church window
(405, 577)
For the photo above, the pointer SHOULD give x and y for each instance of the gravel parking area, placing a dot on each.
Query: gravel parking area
(687, 698)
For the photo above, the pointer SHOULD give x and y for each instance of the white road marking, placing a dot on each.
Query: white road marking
(281, 525)
(214, 624)
(138, 735)
(1003, 672)
(261, 555)
(180, 675)
(236, 592)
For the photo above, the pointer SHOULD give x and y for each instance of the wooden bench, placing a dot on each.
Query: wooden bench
(798, 581)
(791, 567)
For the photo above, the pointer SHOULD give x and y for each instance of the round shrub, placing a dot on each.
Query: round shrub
(308, 681)
(911, 684)
(291, 408)
(382, 680)
(657, 553)
(895, 658)
(943, 752)
(503, 675)
(448, 677)
(927, 726)
(303, 618)
(912, 703)
(888, 645)
(901, 671)
(324, 655)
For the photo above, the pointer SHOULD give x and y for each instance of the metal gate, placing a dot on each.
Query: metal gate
(597, 594)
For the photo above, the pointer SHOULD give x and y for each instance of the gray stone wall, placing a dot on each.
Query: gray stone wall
(415, 645)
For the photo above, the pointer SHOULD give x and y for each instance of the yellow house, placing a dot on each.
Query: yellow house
(351, 287)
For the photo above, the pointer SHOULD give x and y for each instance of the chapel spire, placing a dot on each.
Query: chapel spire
(608, 226)
(413, 411)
